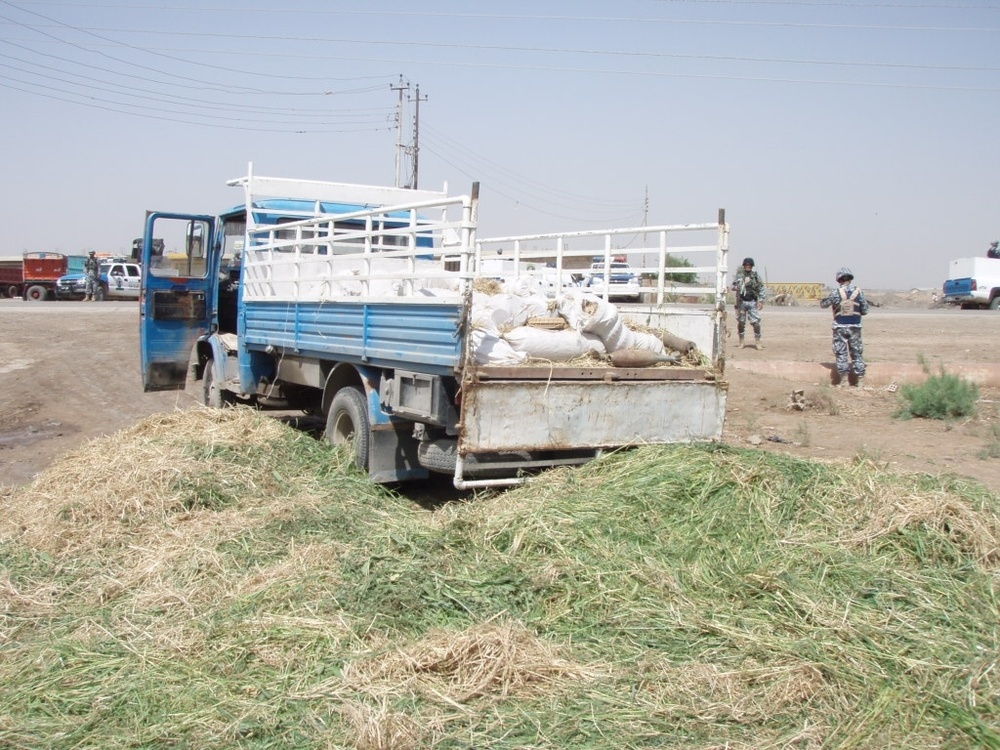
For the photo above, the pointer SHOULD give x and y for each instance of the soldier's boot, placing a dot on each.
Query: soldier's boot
(860, 382)
(757, 343)
(87, 298)
(741, 344)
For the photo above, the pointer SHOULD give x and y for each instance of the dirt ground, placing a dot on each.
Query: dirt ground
(69, 372)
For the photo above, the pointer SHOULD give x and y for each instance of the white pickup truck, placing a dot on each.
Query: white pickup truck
(973, 282)
(617, 278)
(119, 280)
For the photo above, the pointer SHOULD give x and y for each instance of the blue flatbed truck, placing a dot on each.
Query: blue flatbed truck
(355, 302)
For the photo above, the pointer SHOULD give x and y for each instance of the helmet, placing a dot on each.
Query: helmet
(845, 273)
(748, 262)
(92, 252)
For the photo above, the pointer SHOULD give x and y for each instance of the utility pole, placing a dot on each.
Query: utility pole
(400, 87)
(416, 137)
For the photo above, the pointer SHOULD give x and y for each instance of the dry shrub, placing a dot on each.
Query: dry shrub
(499, 658)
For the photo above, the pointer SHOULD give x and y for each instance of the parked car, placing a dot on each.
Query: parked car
(119, 280)
(623, 283)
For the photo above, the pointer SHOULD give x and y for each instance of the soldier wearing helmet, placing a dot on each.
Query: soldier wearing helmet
(994, 251)
(92, 277)
(849, 305)
(749, 301)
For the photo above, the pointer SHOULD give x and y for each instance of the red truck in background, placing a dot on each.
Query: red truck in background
(35, 278)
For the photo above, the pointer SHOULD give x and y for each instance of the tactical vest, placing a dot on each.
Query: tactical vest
(745, 289)
(849, 311)
(849, 303)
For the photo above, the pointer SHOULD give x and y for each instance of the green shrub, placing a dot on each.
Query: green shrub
(941, 396)
(676, 277)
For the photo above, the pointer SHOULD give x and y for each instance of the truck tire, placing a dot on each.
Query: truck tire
(439, 456)
(36, 293)
(211, 394)
(995, 303)
(347, 423)
(13, 291)
(102, 293)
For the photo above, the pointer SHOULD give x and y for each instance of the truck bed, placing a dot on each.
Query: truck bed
(973, 282)
(390, 333)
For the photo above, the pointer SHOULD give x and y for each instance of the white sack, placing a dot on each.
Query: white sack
(505, 311)
(591, 314)
(489, 349)
(543, 343)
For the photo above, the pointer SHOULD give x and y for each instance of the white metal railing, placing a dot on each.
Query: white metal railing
(651, 253)
(418, 249)
(423, 245)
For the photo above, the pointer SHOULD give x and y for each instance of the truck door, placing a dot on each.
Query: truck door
(180, 274)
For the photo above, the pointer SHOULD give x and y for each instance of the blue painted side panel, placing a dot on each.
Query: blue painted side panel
(382, 334)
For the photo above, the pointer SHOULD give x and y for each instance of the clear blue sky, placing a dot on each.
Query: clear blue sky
(848, 133)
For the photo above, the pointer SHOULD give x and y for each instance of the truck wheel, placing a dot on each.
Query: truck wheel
(13, 291)
(995, 303)
(101, 294)
(440, 456)
(347, 422)
(35, 293)
(211, 394)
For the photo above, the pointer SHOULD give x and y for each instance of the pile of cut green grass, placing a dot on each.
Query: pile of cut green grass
(215, 579)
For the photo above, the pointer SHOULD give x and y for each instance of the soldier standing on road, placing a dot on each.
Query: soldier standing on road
(849, 304)
(749, 301)
(92, 278)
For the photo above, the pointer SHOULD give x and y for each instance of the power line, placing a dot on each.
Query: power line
(565, 51)
(229, 123)
(585, 19)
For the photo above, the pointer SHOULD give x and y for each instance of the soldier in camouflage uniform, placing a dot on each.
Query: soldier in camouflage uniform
(849, 304)
(91, 277)
(749, 301)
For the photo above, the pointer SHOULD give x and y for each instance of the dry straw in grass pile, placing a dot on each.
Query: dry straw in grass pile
(494, 659)
(749, 694)
(154, 473)
(975, 532)
(376, 726)
(683, 596)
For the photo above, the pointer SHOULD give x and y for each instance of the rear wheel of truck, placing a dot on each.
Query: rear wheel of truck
(211, 394)
(36, 293)
(440, 456)
(995, 303)
(101, 294)
(13, 291)
(347, 423)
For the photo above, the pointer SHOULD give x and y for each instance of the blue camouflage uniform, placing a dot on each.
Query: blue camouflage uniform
(92, 277)
(749, 296)
(849, 305)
